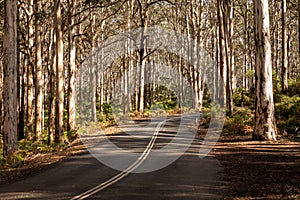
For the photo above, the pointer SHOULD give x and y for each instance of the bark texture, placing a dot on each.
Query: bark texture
(265, 126)
(10, 70)
(59, 131)
(39, 118)
(284, 73)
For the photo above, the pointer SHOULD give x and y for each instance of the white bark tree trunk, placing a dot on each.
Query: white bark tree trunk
(52, 75)
(72, 71)
(59, 128)
(222, 51)
(284, 71)
(265, 126)
(39, 118)
(30, 69)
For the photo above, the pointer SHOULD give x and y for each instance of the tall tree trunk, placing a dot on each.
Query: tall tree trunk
(276, 46)
(72, 71)
(59, 120)
(284, 71)
(51, 102)
(232, 48)
(102, 69)
(222, 53)
(246, 55)
(30, 69)
(265, 126)
(299, 25)
(1, 97)
(10, 70)
(93, 77)
(228, 13)
(22, 98)
(142, 63)
(21, 85)
(38, 75)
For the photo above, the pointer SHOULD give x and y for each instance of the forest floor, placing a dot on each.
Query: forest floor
(251, 169)
(259, 170)
(34, 163)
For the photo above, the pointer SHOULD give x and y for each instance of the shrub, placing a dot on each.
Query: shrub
(107, 112)
(287, 111)
(240, 122)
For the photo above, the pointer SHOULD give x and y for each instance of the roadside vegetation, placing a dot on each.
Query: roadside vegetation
(287, 113)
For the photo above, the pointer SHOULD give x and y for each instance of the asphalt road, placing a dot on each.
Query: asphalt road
(85, 177)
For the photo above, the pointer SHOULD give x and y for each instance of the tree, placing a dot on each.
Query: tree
(72, 70)
(143, 6)
(10, 68)
(284, 72)
(59, 108)
(51, 86)
(299, 24)
(39, 118)
(265, 126)
(225, 19)
(30, 68)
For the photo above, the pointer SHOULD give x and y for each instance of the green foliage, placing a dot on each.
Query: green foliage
(294, 88)
(27, 147)
(107, 114)
(206, 104)
(240, 122)
(250, 73)
(157, 109)
(71, 135)
(11, 160)
(2, 159)
(287, 111)
(217, 111)
(165, 98)
(242, 98)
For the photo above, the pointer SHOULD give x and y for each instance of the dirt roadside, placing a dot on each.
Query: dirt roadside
(259, 170)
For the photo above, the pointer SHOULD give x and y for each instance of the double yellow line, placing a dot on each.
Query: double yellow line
(124, 173)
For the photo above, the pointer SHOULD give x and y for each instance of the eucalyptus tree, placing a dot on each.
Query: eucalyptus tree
(225, 19)
(30, 67)
(265, 126)
(72, 67)
(284, 69)
(59, 63)
(39, 93)
(10, 71)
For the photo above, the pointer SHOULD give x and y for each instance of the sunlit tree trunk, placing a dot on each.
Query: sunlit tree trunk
(222, 52)
(232, 50)
(274, 31)
(284, 71)
(101, 70)
(246, 55)
(52, 75)
(10, 71)
(59, 108)
(142, 54)
(39, 118)
(265, 126)
(72, 70)
(93, 70)
(30, 68)
(229, 54)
